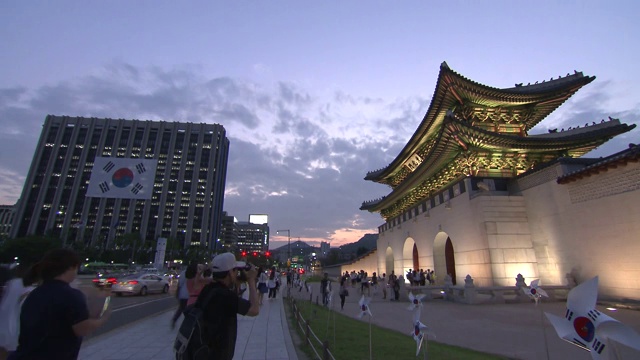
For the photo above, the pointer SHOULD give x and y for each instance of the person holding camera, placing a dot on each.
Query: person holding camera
(222, 309)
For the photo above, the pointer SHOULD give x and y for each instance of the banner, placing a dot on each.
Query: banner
(122, 178)
(161, 247)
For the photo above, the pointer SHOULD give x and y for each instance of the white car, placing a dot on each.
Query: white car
(140, 284)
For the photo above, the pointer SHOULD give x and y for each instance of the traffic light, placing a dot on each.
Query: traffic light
(255, 253)
(267, 254)
(244, 253)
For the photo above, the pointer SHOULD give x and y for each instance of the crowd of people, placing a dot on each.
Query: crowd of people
(375, 284)
(44, 315)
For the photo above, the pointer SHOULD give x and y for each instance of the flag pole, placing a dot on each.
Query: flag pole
(426, 342)
(370, 350)
(544, 330)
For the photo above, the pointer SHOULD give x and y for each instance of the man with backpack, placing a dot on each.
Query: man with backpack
(210, 328)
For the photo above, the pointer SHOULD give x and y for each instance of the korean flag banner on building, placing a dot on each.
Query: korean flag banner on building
(122, 178)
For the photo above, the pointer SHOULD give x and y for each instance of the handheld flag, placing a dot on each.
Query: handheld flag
(364, 307)
(419, 334)
(588, 328)
(534, 291)
(416, 301)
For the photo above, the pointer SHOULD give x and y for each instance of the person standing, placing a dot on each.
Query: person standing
(271, 283)
(262, 284)
(15, 290)
(224, 305)
(182, 294)
(343, 290)
(55, 317)
(383, 281)
(325, 288)
(195, 284)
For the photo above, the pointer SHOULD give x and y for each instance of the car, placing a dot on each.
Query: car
(106, 280)
(141, 284)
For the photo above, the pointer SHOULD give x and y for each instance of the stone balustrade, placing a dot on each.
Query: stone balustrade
(471, 294)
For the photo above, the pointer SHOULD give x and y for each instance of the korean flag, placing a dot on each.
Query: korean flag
(122, 178)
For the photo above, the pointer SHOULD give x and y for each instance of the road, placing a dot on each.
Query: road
(129, 309)
(133, 308)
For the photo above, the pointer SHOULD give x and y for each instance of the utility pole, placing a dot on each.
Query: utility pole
(289, 238)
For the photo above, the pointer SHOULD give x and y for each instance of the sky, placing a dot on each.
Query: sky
(313, 94)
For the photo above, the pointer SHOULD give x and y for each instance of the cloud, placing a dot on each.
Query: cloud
(293, 155)
(296, 155)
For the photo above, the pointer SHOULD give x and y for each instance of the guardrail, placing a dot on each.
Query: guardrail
(321, 348)
(471, 294)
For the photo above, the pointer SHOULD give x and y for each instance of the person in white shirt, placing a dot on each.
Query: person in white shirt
(13, 295)
(182, 294)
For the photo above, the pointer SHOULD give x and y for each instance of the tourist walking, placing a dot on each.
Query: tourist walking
(182, 294)
(262, 284)
(55, 317)
(271, 283)
(344, 292)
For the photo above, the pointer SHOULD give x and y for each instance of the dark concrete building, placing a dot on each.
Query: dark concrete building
(185, 165)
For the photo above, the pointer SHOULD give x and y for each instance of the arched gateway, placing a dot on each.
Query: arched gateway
(471, 146)
(444, 258)
(389, 262)
(409, 256)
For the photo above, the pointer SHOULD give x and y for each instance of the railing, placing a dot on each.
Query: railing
(321, 348)
(471, 294)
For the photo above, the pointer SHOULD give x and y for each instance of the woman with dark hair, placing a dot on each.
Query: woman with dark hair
(262, 284)
(54, 316)
(196, 283)
(271, 283)
(344, 292)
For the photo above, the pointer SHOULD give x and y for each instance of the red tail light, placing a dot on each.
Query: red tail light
(133, 282)
(112, 280)
(95, 280)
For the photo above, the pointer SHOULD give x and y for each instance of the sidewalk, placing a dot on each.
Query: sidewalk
(263, 337)
(517, 331)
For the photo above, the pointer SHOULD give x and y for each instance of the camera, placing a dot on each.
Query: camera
(242, 272)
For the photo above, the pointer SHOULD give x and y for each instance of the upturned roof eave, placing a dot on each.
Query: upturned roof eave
(572, 139)
(443, 99)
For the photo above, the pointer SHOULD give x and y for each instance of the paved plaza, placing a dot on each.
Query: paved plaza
(517, 331)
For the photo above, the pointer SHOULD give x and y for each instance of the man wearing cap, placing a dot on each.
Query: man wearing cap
(225, 303)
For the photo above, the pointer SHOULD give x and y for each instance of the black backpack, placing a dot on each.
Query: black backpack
(195, 332)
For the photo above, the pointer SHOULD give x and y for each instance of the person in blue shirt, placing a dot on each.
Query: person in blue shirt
(55, 317)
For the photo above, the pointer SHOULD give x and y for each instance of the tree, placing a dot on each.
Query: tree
(333, 257)
(29, 250)
(361, 251)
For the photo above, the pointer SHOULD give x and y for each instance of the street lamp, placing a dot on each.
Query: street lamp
(289, 237)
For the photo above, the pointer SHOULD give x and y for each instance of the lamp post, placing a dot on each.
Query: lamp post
(289, 237)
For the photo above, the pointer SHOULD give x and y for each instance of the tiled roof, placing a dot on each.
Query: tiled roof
(453, 89)
(457, 135)
(632, 154)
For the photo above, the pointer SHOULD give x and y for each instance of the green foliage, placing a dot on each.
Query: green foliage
(333, 257)
(351, 340)
(29, 250)
(361, 251)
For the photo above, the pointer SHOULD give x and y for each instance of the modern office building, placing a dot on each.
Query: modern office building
(324, 249)
(253, 235)
(229, 233)
(6, 217)
(160, 179)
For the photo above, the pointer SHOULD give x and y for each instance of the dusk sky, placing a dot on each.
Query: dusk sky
(313, 94)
